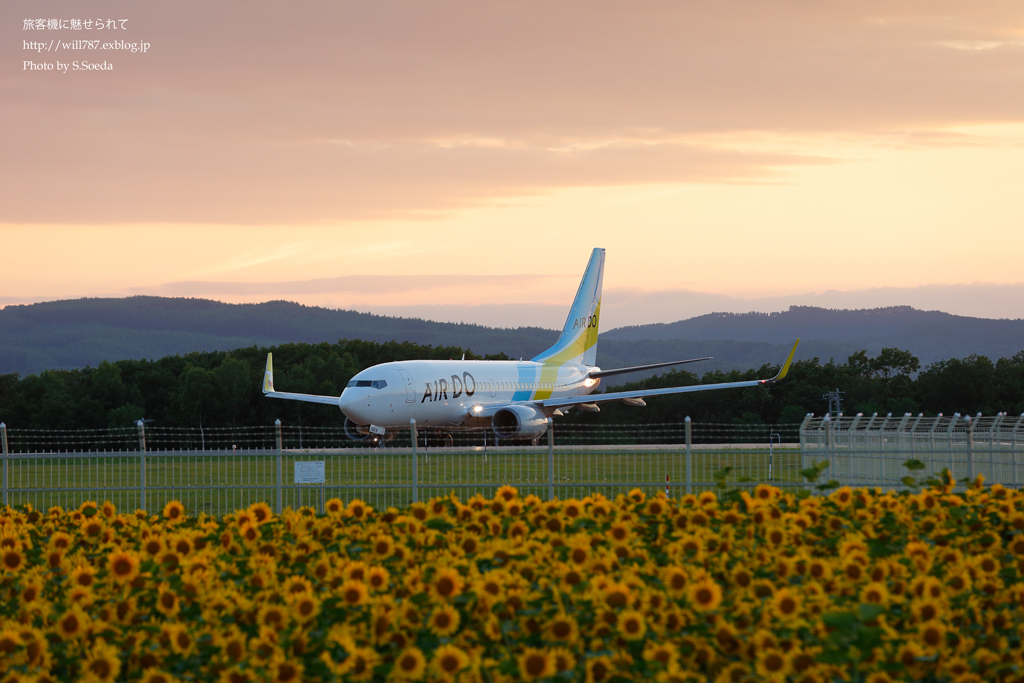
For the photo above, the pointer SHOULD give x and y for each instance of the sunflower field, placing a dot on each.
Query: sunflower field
(856, 585)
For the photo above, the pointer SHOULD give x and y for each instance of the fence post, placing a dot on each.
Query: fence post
(415, 475)
(827, 423)
(995, 426)
(551, 459)
(280, 465)
(803, 441)
(1013, 446)
(142, 465)
(3, 442)
(689, 457)
(949, 433)
(970, 448)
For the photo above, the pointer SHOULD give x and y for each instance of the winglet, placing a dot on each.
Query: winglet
(785, 366)
(268, 377)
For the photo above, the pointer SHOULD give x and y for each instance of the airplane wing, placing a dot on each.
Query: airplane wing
(637, 368)
(268, 388)
(619, 395)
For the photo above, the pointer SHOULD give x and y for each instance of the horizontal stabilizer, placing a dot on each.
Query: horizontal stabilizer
(638, 368)
(308, 398)
(268, 388)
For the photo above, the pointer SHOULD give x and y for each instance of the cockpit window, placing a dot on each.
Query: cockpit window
(376, 383)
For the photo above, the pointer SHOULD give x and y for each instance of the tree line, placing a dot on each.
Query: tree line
(202, 389)
(223, 389)
(891, 382)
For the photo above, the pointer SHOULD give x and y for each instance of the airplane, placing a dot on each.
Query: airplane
(514, 399)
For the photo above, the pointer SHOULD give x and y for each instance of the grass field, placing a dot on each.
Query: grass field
(218, 482)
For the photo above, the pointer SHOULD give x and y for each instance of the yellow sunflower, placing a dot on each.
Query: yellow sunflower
(353, 593)
(83, 575)
(123, 565)
(926, 609)
(786, 605)
(31, 591)
(535, 663)
(261, 512)
(12, 560)
(73, 623)
(378, 578)
(664, 653)
(773, 665)
(383, 546)
(273, 616)
(932, 635)
(448, 661)
(358, 509)
(705, 595)
(444, 620)
(631, 624)
(102, 661)
(562, 629)
(232, 644)
(564, 659)
(284, 670)
(178, 636)
(579, 550)
(174, 511)
(446, 584)
(617, 595)
(303, 607)
(599, 669)
(410, 664)
(155, 675)
(875, 593)
(506, 493)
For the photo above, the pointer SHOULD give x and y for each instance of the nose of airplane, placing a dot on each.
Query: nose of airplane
(350, 403)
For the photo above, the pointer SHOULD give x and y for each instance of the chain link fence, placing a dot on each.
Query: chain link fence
(871, 450)
(220, 470)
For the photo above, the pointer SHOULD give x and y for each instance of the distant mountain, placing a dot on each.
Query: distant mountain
(930, 335)
(76, 333)
(79, 332)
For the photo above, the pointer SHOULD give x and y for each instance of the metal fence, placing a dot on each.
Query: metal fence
(220, 470)
(871, 450)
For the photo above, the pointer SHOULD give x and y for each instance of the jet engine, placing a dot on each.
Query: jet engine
(356, 432)
(519, 422)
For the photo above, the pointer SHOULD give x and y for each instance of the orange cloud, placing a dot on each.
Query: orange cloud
(310, 111)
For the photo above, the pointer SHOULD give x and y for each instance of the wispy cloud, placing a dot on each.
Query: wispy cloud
(403, 109)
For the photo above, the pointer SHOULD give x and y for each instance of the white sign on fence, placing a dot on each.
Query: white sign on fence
(310, 472)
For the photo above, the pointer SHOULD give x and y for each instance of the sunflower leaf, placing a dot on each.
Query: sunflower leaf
(869, 612)
(840, 620)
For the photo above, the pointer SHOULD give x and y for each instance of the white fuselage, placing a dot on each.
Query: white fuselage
(450, 393)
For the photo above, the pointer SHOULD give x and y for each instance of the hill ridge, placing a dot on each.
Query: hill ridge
(72, 333)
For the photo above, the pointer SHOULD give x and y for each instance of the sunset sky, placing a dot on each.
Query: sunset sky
(459, 160)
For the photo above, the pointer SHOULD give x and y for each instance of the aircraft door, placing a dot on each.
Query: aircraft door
(410, 386)
(494, 387)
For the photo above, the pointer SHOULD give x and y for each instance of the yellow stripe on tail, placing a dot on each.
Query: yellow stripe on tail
(268, 376)
(785, 366)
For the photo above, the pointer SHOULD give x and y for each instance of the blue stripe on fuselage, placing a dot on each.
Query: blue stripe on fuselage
(528, 374)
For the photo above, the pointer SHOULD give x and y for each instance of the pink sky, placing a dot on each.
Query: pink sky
(414, 157)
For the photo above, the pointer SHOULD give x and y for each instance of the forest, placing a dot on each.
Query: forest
(222, 389)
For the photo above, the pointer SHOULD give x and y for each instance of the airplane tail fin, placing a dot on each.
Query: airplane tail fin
(578, 341)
